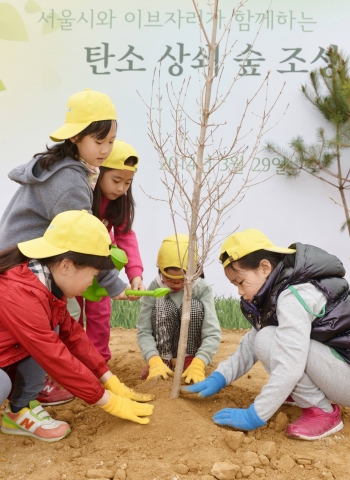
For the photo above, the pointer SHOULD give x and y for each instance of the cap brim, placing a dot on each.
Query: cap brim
(172, 277)
(39, 248)
(281, 250)
(111, 164)
(68, 130)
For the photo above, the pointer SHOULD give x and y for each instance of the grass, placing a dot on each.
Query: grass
(125, 314)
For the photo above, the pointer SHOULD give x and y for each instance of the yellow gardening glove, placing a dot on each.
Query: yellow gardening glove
(125, 408)
(118, 388)
(195, 372)
(158, 368)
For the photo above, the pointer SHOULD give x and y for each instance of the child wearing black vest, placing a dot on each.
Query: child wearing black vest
(298, 303)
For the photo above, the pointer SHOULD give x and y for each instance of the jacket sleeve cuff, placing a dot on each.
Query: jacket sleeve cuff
(153, 353)
(111, 282)
(254, 417)
(133, 272)
(203, 358)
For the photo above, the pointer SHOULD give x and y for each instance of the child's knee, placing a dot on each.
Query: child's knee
(262, 344)
(5, 386)
(164, 309)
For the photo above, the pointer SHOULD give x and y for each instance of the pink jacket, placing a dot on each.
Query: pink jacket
(125, 241)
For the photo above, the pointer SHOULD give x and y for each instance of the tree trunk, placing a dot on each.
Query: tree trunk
(191, 266)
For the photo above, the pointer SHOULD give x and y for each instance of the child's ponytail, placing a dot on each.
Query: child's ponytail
(11, 257)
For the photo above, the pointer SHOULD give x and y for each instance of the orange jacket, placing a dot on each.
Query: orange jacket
(29, 312)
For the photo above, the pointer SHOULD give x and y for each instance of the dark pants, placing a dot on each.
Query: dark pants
(166, 323)
(27, 379)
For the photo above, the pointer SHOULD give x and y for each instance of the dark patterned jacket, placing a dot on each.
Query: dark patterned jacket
(325, 272)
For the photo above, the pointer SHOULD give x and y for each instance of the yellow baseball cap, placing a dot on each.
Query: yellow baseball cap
(120, 152)
(71, 231)
(82, 109)
(242, 243)
(168, 255)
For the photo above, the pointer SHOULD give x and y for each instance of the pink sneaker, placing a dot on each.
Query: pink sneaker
(289, 401)
(52, 394)
(315, 423)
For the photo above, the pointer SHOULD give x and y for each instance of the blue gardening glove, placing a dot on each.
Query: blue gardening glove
(211, 385)
(241, 418)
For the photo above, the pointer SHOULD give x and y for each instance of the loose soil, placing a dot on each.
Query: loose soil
(180, 442)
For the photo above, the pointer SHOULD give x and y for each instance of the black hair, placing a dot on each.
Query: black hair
(252, 260)
(67, 148)
(13, 256)
(120, 209)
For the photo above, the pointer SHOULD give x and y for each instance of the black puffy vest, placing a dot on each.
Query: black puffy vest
(325, 272)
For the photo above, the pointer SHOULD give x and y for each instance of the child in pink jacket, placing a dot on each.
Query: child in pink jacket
(114, 205)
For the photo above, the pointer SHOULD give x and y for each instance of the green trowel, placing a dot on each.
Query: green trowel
(95, 293)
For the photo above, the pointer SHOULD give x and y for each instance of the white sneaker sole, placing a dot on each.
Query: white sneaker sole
(335, 429)
(11, 431)
(61, 402)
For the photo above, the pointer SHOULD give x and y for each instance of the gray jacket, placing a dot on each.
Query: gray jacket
(41, 196)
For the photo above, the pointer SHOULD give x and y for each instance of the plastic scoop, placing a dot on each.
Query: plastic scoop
(158, 292)
(94, 293)
(118, 257)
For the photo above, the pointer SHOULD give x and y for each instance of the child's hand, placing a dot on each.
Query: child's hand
(208, 387)
(125, 408)
(242, 418)
(158, 368)
(121, 295)
(118, 388)
(195, 371)
(136, 284)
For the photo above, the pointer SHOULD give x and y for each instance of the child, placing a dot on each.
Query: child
(60, 179)
(160, 318)
(36, 277)
(297, 301)
(114, 205)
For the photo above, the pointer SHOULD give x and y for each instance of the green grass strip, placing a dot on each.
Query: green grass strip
(125, 314)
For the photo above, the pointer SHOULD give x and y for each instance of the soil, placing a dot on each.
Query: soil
(181, 441)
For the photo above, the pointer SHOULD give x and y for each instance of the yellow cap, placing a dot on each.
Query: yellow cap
(71, 231)
(120, 152)
(82, 109)
(242, 243)
(168, 255)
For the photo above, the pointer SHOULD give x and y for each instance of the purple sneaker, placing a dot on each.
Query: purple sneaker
(315, 423)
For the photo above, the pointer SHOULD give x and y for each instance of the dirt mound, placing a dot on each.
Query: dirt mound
(180, 442)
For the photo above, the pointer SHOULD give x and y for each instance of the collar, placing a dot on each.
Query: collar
(263, 294)
(43, 273)
(93, 173)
